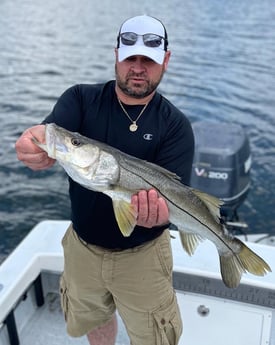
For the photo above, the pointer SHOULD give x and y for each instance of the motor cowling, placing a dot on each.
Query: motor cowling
(222, 164)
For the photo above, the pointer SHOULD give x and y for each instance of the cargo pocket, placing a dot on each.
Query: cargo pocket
(63, 297)
(168, 324)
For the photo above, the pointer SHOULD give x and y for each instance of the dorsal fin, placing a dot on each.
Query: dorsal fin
(211, 202)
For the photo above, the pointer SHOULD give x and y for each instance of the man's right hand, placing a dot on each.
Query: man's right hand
(29, 153)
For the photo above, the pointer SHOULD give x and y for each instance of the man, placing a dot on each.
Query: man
(105, 271)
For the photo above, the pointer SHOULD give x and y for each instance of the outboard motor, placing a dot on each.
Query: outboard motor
(221, 166)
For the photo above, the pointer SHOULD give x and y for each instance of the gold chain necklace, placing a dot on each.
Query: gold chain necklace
(133, 126)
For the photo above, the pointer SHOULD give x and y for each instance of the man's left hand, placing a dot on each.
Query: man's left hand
(152, 210)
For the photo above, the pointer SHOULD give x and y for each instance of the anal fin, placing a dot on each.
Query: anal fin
(190, 241)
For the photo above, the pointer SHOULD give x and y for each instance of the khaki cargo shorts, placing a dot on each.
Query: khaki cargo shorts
(136, 282)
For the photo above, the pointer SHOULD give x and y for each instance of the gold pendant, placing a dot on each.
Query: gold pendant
(133, 127)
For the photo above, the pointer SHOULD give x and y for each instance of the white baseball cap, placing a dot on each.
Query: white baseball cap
(142, 35)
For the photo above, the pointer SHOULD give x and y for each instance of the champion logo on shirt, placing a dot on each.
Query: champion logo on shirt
(148, 136)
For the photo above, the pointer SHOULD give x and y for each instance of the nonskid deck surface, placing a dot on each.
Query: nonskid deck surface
(47, 327)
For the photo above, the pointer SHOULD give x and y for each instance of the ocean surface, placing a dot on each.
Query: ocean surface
(222, 69)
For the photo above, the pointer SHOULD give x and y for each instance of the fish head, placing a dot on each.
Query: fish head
(84, 159)
(69, 147)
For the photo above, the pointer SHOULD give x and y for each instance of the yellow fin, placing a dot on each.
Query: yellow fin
(126, 216)
(190, 241)
(231, 270)
(212, 203)
(232, 266)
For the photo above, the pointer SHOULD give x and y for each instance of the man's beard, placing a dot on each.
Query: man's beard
(137, 91)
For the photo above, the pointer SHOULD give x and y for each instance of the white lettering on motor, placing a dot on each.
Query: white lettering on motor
(218, 175)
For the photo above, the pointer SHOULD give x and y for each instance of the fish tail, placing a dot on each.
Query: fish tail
(235, 264)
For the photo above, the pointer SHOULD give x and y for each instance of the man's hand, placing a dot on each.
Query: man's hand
(152, 210)
(29, 153)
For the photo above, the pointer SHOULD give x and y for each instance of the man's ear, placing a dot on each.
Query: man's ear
(166, 59)
(116, 54)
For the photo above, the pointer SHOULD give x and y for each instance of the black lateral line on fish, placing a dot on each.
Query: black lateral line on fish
(191, 215)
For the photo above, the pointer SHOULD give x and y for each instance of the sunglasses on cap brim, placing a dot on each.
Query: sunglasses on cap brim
(149, 40)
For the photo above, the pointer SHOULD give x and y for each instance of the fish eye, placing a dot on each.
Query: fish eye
(75, 142)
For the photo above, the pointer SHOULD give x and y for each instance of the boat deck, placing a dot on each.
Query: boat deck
(47, 327)
(245, 315)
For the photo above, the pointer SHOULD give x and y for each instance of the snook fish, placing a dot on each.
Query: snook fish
(102, 168)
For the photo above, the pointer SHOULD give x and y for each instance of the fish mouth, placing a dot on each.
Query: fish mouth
(55, 143)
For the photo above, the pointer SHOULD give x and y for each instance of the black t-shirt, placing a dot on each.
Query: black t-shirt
(164, 136)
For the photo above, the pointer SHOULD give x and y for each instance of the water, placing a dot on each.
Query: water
(222, 68)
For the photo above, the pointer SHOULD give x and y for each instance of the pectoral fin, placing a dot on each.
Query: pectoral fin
(126, 216)
(190, 241)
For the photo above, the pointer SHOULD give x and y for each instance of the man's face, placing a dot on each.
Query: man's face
(138, 76)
